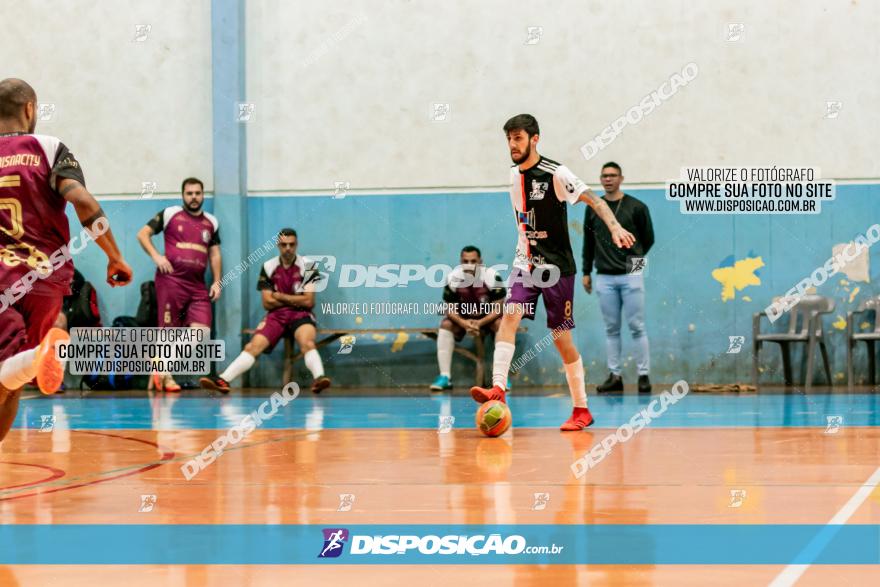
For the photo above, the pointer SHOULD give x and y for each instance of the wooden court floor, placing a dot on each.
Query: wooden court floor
(711, 459)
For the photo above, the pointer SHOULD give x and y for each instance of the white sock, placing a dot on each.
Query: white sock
(574, 374)
(314, 364)
(18, 369)
(501, 363)
(445, 346)
(239, 365)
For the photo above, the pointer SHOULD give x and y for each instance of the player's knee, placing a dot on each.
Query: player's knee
(564, 342)
(446, 324)
(512, 317)
(637, 328)
(612, 328)
(307, 345)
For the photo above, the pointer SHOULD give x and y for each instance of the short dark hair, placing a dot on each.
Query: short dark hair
(524, 122)
(472, 249)
(287, 232)
(190, 180)
(14, 94)
(614, 165)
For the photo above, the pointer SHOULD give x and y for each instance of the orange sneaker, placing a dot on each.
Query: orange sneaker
(580, 419)
(482, 395)
(50, 370)
(170, 385)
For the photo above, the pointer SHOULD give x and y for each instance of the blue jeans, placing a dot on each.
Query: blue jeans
(621, 295)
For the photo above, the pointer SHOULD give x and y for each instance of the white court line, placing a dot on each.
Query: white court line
(792, 573)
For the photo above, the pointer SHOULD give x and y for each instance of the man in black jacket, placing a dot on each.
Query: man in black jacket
(619, 282)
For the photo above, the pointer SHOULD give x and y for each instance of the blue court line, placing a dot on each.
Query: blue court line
(329, 412)
(664, 544)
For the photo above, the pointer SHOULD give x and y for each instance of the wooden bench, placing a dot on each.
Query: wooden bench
(327, 336)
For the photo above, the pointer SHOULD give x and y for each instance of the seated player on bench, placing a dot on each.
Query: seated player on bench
(475, 294)
(287, 286)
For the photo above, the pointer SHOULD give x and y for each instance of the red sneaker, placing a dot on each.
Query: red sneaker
(50, 371)
(214, 384)
(482, 395)
(320, 384)
(580, 419)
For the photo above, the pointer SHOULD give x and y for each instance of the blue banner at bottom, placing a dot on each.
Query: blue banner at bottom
(522, 544)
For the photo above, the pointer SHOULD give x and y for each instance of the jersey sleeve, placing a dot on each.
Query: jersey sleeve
(215, 238)
(450, 296)
(568, 186)
(157, 222)
(263, 282)
(453, 282)
(66, 166)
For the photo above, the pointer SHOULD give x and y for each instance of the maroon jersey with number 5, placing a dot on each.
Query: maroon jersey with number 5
(33, 223)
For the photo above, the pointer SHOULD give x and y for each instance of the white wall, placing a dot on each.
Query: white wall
(343, 89)
(130, 111)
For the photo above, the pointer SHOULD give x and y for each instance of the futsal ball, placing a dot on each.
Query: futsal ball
(493, 418)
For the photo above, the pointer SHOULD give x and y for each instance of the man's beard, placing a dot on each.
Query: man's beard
(522, 157)
(198, 206)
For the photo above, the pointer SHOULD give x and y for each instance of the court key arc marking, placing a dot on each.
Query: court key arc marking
(167, 455)
(54, 474)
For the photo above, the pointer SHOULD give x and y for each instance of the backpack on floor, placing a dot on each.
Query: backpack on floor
(114, 381)
(147, 312)
(81, 306)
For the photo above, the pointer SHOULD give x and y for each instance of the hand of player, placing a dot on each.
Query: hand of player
(623, 238)
(588, 284)
(118, 273)
(214, 292)
(473, 327)
(164, 264)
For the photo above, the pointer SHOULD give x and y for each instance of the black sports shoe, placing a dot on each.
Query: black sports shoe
(613, 383)
(644, 384)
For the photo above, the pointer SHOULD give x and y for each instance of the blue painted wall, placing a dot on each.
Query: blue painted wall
(688, 323)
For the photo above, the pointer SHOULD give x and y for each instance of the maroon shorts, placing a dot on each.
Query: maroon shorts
(24, 324)
(558, 299)
(182, 303)
(275, 324)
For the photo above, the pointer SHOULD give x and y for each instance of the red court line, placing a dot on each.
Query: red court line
(167, 455)
(55, 474)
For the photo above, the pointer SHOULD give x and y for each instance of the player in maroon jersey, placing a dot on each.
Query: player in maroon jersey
(192, 241)
(38, 176)
(287, 285)
(474, 294)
